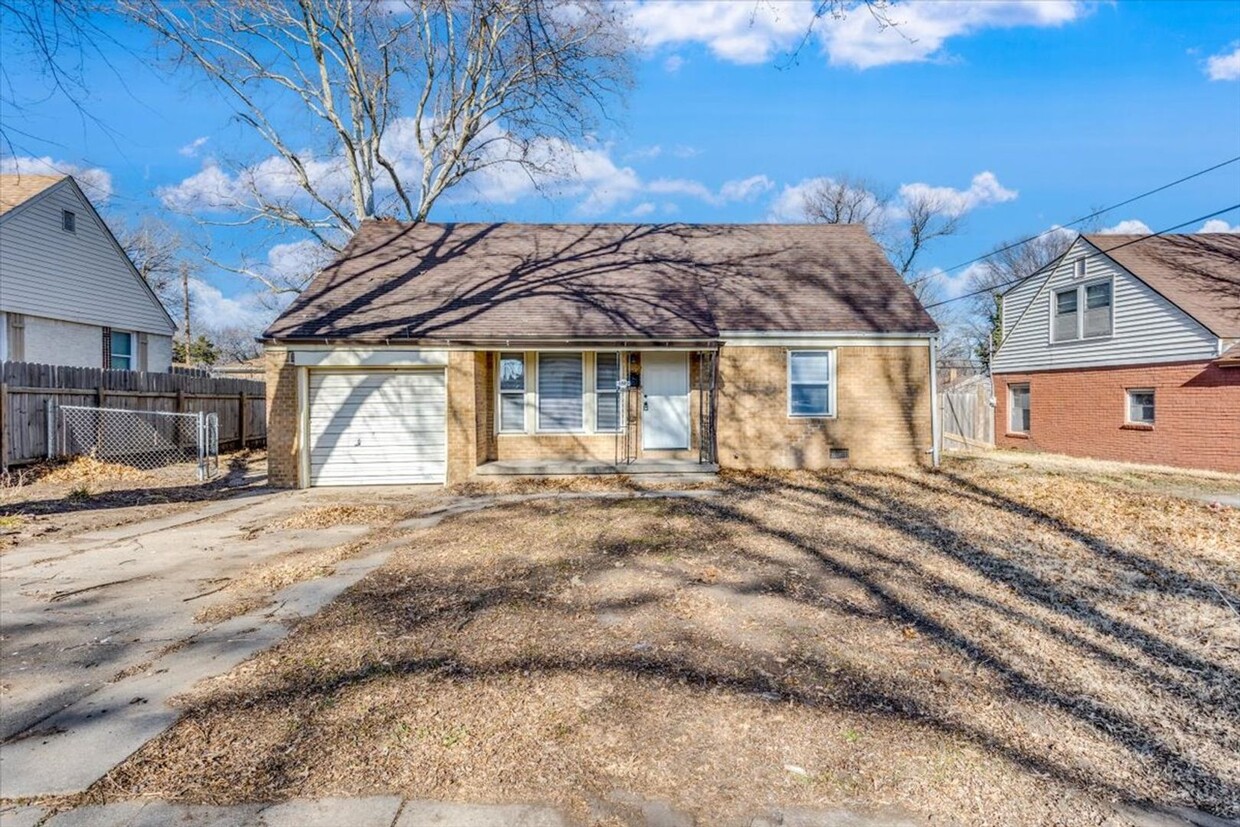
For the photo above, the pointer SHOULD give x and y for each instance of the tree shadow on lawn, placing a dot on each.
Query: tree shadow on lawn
(973, 603)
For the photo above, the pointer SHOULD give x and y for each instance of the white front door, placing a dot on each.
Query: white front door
(665, 401)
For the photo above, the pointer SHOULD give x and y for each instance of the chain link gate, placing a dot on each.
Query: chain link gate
(140, 439)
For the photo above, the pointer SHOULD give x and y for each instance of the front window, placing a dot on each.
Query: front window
(561, 396)
(809, 383)
(1018, 413)
(512, 392)
(607, 391)
(122, 350)
(1141, 407)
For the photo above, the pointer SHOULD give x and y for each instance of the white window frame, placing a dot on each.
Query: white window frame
(1081, 290)
(594, 392)
(831, 383)
(500, 393)
(129, 357)
(1028, 388)
(1128, 392)
(586, 394)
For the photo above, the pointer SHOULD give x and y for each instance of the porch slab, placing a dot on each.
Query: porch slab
(577, 468)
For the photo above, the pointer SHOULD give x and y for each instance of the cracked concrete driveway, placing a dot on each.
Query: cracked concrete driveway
(82, 619)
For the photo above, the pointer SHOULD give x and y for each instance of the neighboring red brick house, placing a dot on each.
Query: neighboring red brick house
(1127, 348)
(431, 352)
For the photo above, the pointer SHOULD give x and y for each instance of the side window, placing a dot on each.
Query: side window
(1018, 408)
(809, 383)
(122, 351)
(512, 392)
(1141, 406)
(1065, 315)
(1098, 309)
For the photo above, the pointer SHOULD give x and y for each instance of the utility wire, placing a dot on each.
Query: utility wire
(1080, 220)
(1107, 251)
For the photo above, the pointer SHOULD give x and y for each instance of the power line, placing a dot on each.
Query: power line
(1136, 240)
(1080, 220)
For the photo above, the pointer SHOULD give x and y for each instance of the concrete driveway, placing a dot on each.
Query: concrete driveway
(105, 620)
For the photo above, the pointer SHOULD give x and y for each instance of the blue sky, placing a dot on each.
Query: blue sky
(1031, 113)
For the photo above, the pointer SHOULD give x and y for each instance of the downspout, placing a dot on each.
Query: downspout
(936, 435)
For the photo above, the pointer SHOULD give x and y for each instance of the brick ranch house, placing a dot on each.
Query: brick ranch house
(1126, 348)
(429, 353)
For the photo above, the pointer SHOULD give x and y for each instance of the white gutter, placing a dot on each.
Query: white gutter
(936, 436)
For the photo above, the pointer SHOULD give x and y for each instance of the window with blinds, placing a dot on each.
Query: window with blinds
(561, 392)
(1098, 309)
(607, 392)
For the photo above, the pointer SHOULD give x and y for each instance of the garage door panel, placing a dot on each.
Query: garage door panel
(377, 428)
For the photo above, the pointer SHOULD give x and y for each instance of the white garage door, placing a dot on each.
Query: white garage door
(377, 427)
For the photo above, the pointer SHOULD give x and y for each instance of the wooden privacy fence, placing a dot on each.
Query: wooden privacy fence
(28, 391)
(968, 416)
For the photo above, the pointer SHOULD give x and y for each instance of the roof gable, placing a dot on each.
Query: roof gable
(1198, 273)
(603, 281)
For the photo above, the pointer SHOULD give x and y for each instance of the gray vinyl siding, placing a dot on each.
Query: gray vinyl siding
(77, 277)
(1146, 327)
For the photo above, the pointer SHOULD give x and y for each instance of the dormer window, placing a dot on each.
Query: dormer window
(68, 221)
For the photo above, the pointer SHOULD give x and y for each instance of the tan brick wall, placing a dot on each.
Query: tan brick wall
(484, 404)
(462, 415)
(282, 419)
(595, 447)
(1083, 413)
(882, 410)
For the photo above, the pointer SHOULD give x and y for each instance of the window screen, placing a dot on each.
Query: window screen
(1098, 309)
(1141, 407)
(606, 394)
(560, 392)
(809, 383)
(1065, 315)
(1018, 415)
(512, 392)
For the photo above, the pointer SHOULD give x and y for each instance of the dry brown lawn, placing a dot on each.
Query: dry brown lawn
(987, 645)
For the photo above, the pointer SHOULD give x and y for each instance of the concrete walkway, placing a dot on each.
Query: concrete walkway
(76, 614)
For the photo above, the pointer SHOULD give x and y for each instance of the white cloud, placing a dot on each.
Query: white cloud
(737, 32)
(673, 64)
(983, 190)
(922, 30)
(683, 151)
(1225, 66)
(1129, 226)
(191, 149)
(754, 32)
(96, 182)
(643, 209)
(645, 153)
(745, 189)
(213, 311)
(1218, 225)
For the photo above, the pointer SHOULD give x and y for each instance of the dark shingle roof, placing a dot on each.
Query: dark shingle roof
(479, 282)
(1198, 273)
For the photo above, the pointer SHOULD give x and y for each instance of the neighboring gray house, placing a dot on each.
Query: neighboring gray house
(68, 293)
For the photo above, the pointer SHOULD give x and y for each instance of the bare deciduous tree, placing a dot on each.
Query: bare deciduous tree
(902, 226)
(155, 249)
(400, 100)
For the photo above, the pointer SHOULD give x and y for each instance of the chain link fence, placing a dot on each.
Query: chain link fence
(140, 439)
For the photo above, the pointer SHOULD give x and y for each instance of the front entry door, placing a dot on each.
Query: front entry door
(665, 401)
